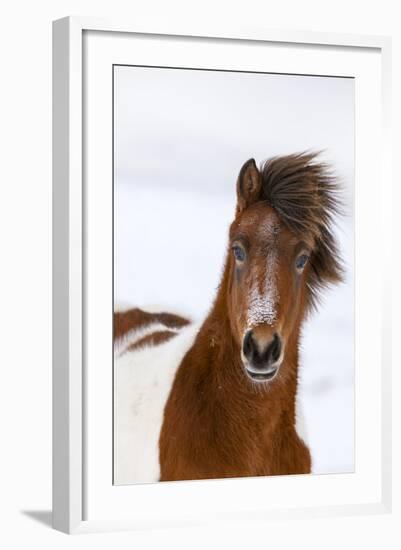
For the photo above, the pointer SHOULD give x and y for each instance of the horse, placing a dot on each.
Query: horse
(218, 399)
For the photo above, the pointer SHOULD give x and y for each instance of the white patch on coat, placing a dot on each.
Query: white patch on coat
(142, 383)
(300, 422)
(133, 336)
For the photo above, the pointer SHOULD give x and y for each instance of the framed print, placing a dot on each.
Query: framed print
(220, 347)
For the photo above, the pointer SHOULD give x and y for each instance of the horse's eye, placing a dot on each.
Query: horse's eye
(239, 253)
(301, 261)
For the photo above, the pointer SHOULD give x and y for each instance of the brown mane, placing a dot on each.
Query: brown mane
(305, 194)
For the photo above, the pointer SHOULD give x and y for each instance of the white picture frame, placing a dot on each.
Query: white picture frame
(77, 485)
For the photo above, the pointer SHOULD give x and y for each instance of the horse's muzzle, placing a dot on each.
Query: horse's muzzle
(261, 362)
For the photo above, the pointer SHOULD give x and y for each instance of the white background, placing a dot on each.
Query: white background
(180, 138)
(25, 290)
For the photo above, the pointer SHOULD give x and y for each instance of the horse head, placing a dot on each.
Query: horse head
(282, 252)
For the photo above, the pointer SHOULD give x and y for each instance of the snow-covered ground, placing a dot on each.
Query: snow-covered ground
(180, 140)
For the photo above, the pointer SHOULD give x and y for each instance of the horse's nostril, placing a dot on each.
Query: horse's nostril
(247, 345)
(274, 349)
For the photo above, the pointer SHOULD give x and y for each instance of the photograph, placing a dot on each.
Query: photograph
(233, 274)
(198, 222)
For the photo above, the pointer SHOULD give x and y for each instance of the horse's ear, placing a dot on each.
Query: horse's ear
(249, 185)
